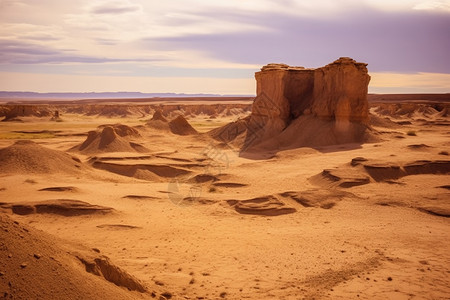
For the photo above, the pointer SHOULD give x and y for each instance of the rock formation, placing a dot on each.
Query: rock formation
(297, 107)
(13, 112)
(337, 92)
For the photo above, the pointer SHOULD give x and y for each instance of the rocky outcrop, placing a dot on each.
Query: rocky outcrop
(13, 112)
(336, 92)
(296, 106)
(340, 91)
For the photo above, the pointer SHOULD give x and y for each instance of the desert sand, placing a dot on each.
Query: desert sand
(345, 199)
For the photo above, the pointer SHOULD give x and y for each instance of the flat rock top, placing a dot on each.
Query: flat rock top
(275, 66)
(281, 66)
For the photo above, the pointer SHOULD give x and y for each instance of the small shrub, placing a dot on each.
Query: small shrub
(212, 189)
(411, 133)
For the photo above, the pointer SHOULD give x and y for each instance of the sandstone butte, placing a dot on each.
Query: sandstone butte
(337, 91)
(335, 94)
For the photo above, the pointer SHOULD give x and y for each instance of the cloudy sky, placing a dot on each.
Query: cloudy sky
(215, 46)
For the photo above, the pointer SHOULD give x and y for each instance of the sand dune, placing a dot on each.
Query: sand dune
(64, 207)
(60, 189)
(178, 126)
(363, 171)
(35, 265)
(266, 206)
(142, 171)
(115, 138)
(29, 157)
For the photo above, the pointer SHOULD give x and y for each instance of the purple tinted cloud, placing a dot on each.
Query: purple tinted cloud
(110, 42)
(399, 42)
(40, 37)
(17, 52)
(9, 48)
(115, 9)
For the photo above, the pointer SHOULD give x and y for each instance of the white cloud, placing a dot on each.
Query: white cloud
(433, 5)
(116, 7)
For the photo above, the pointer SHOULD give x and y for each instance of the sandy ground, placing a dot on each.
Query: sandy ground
(193, 236)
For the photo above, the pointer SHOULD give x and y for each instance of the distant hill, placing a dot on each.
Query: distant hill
(408, 97)
(104, 95)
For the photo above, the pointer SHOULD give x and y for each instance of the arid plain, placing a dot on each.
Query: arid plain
(180, 199)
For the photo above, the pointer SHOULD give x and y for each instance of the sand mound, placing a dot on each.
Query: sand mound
(230, 184)
(102, 266)
(60, 189)
(202, 178)
(384, 122)
(264, 206)
(233, 133)
(344, 178)
(309, 131)
(427, 167)
(419, 147)
(362, 171)
(118, 226)
(158, 121)
(63, 207)
(28, 157)
(122, 130)
(112, 138)
(158, 116)
(142, 171)
(140, 197)
(159, 125)
(290, 202)
(198, 200)
(32, 266)
(180, 126)
(436, 211)
(304, 131)
(317, 198)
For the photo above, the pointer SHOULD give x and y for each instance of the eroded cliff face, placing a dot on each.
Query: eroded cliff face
(340, 91)
(336, 92)
(299, 107)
